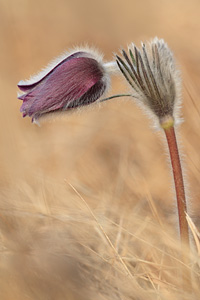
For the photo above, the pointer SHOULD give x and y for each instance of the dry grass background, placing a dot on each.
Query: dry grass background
(86, 203)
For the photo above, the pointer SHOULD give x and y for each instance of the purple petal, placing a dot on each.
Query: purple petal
(26, 86)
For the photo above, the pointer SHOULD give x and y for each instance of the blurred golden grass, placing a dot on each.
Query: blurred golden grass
(125, 245)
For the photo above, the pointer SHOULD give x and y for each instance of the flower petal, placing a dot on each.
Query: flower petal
(26, 85)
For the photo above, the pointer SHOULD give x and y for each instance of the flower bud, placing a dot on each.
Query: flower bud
(77, 80)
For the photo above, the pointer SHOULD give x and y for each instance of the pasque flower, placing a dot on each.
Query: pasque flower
(155, 82)
(76, 80)
(153, 75)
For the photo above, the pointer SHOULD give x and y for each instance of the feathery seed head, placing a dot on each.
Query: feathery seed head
(155, 80)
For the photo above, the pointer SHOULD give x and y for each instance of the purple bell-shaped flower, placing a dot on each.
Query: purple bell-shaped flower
(77, 80)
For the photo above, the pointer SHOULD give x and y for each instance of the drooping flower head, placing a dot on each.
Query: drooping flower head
(76, 80)
(155, 80)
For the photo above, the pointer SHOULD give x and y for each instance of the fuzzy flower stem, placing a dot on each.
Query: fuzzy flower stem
(111, 66)
(116, 96)
(179, 184)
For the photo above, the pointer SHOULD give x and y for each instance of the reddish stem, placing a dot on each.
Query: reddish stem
(179, 185)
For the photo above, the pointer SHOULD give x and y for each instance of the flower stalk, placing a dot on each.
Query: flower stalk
(178, 182)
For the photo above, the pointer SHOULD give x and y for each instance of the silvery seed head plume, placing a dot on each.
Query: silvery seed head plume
(153, 75)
